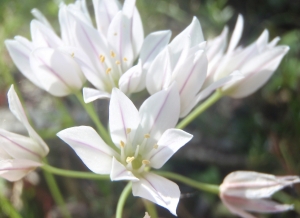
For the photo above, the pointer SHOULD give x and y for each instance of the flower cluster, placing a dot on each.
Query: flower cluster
(116, 59)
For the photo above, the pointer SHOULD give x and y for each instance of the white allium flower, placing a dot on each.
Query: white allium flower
(19, 154)
(143, 139)
(243, 191)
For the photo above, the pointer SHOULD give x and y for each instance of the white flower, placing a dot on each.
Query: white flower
(243, 191)
(256, 62)
(110, 50)
(184, 61)
(43, 61)
(143, 139)
(19, 154)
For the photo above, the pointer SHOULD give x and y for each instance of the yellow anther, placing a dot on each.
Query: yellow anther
(146, 136)
(117, 62)
(155, 146)
(102, 58)
(108, 70)
(73, 54)
(125, 59)
(112, 54)
(128, 130)
(115, 34)
(122, 144)
(146, 162)
(129, 159)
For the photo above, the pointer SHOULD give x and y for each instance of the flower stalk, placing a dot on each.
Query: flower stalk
(200, 109)
(122, 200)
(7, 208)
(214, 189)
(58, 198)
(74, 174)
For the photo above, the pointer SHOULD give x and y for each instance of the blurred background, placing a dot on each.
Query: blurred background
(260, 132)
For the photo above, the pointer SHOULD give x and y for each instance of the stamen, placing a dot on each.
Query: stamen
(128, 130)
(73, 54)
(102, 58)
(112, 54)
(136, 153)
(115, 34)
(117, 62)
(125, 59)
(155, 146)
(146, 136)
(129, 159)
(145, 162)
(122, 144)
(108, 70)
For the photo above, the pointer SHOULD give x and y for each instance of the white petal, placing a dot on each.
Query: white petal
(93, 44)
(258, 71)
(135, 27)
(17, 109)
(58, 72)
(158, 113)
(152, 45)
(90, 95)
(20, 147)
(248, 184)
(43, 36)
(90, 148)
(190, 76)
(159, 73)
(137, 33)
(90, 71)
(119, 172)
(228, 80)
(3, 154)
(20, 55)
(67, 25)
(168, 144)
(192, 33)
(105, 10)
(119, 39)
(39, 15)
(239, 206)
(235, 209)
(158, 190)
(122, 115)
(237, 34)
(133, 80)
(217, 45)
(14, 170)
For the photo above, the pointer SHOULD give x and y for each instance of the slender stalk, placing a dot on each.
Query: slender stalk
(58, 198)
(8, 208)
(200, 109)
(122, 200)
(214, 189)
(74, 174)
(93, 115)
(151, 209)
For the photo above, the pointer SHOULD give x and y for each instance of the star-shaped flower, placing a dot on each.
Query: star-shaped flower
(143, 139)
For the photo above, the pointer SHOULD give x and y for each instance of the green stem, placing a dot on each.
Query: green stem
(200, 109)
(214, 189)
(151, 209)
(7, 208)
(122, 200)
(93, 115)
(73, 174)
(56, 193)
